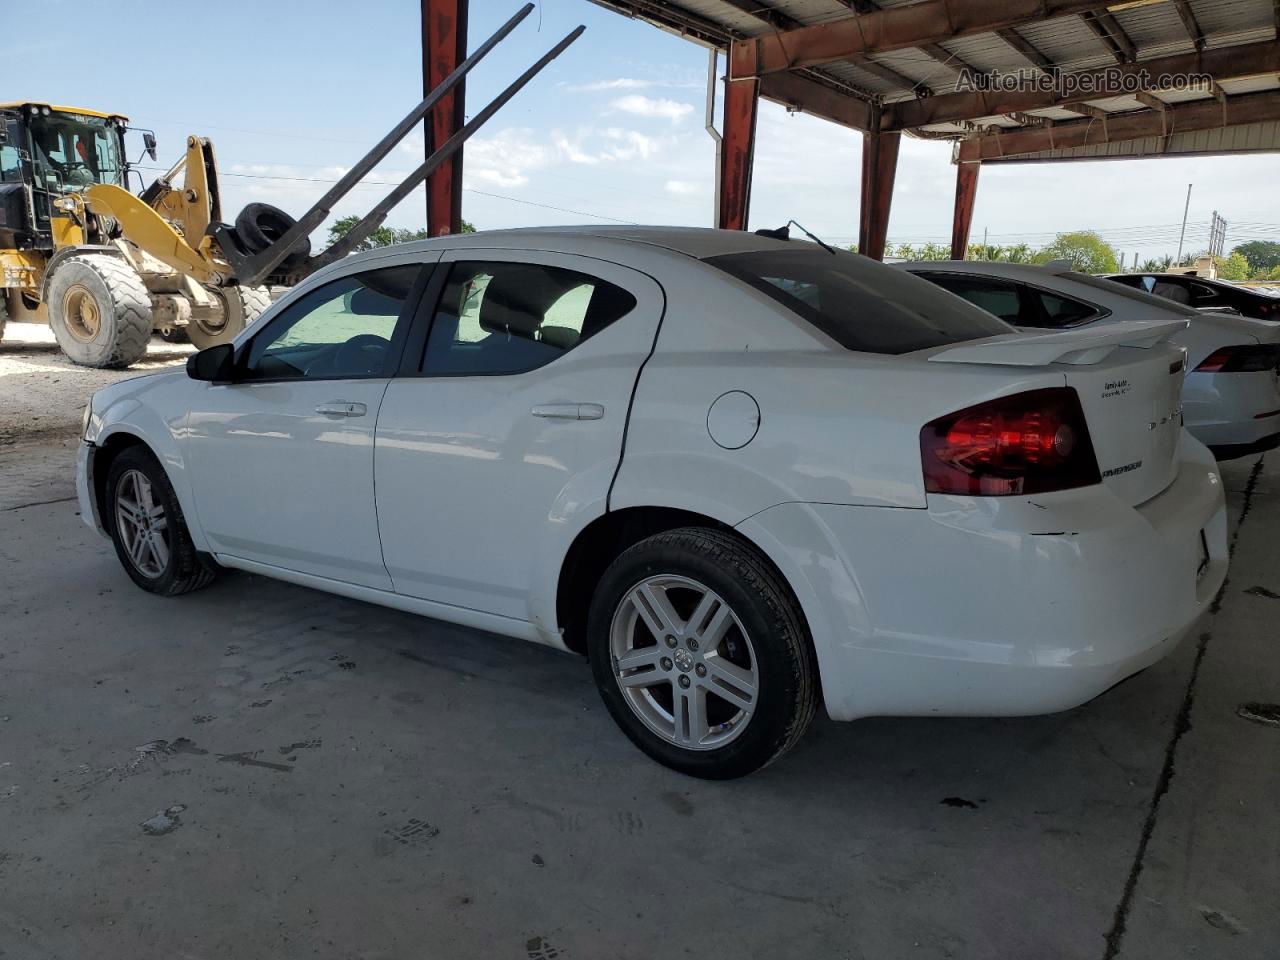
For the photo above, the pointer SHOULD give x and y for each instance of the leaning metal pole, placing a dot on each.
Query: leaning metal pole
(373, 219)
(252, 269)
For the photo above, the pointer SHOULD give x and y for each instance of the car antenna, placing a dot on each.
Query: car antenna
(783, 233)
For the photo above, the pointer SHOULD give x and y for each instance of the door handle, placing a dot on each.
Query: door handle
(342, 408)
(569, 411)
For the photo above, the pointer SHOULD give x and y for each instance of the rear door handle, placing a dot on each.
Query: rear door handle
(569, 411)
(342, 408)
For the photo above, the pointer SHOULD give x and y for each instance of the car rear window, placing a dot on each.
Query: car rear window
(860, 303)
(1117, 289)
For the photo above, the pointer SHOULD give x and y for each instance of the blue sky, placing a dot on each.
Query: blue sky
(293, 92)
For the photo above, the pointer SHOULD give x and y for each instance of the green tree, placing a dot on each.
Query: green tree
(1263, 256)
(382, 236)
(1156, 264)
(1084, 249)
(1234, 267)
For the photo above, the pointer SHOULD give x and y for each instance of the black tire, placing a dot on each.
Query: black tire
(100, 311)
(240, 307)
(4, 312)
(260, 224)
(185, 569)
(175, 335)
(756, 593)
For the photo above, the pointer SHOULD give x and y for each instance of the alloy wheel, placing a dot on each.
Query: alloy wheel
(684, 662)
(142, 524)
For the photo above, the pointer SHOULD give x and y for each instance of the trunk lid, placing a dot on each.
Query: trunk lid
(1129, 381)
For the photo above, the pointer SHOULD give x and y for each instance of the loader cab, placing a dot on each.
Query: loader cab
(48, 152)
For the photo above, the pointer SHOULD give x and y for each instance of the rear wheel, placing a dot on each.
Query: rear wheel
(100, 311)
(240, 307)
(701, 654)
(148, 528)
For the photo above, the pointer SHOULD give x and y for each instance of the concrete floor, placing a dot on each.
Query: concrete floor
(258, 770)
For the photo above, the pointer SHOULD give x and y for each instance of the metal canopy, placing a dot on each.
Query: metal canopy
(893, 66)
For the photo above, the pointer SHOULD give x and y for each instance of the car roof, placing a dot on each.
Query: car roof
(699, 242)
(989, 268)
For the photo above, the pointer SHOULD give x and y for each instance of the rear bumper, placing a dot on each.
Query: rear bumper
(1003, 606)
(1233, 410)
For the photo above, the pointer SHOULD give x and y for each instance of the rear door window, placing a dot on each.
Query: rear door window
(860, 303)
(508, 318)
(994, 296)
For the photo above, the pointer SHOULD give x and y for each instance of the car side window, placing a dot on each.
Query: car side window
(505, 318)
(1054, 311)
(993, 296)
(340, 330)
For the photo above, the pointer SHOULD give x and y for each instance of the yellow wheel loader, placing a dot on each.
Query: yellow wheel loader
(102, 267)
(105, 267)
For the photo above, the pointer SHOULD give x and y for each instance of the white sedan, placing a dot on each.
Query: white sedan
(741, 474)
(1231, 400)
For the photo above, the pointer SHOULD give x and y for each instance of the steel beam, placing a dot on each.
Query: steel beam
(444, 46)
(740, 102)
(894, 28)
(1223, 63)
(794, 91)
(962, 219)
(1190, 23)
(879, 166)
(1107, 29)
(1135, 125)
(1025, 47)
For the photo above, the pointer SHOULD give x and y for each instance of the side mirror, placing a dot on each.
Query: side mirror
(149, 142)
(215, 364)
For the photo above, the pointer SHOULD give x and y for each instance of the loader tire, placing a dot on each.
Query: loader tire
(240, 307)
(260, 224)
(100, 311)
(4, 312)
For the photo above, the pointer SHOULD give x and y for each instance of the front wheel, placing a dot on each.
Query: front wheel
(148, 528)
(701, 654)
(100, 311)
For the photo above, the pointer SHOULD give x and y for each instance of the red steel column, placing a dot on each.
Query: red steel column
(879, 166)
(966, 192)
(740, 100)
(444, 46)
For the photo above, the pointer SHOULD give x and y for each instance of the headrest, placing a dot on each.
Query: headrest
(518, 298)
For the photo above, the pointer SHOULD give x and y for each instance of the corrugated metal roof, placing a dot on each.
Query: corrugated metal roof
(1150, 28)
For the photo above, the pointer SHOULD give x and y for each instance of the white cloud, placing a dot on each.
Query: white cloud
(681, 188)
(505, 159)
(643, 106)
(618, 83)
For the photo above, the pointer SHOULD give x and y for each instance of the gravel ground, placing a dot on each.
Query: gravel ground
(42, 393)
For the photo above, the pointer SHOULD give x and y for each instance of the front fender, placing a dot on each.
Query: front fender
(128, 414)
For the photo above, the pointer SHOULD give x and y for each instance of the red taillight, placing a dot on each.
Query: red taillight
(1242, 358)
(1032, 442)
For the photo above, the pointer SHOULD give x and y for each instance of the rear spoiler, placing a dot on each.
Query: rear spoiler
(1064, 346)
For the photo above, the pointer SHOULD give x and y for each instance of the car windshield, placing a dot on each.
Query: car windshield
(860, 303)
(1117, 289)
(74, 151)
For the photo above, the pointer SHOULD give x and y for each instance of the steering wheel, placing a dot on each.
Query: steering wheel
(363, 353)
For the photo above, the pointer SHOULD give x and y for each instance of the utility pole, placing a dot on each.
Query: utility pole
(1183, 234)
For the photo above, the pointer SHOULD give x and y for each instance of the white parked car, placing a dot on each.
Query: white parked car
(1231, 400)
(741, 474)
